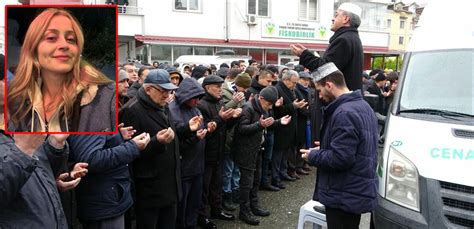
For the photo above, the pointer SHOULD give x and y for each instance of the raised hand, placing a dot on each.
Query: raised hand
(297, 49)
(195, 122)
(226, 114)
(279, 102)
(285, 120)
(126, 132)
(266, 122)
(201, 133)
(142, 140)
(170, 98)
(305, 154)
(211, 126)
(79, 170)
(165, 136)
(237, 112)
(238, 97)
(64, 185)
(299, 104)
(68, 181)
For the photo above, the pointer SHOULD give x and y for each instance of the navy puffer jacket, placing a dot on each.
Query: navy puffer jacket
(105, 192)
(347, 159)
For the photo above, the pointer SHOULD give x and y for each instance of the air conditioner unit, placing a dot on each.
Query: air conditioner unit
(251, 19)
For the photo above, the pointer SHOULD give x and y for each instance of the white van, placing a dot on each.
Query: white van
(426, 170)
(207, 60)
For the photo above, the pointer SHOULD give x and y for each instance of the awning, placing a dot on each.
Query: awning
(147, 39)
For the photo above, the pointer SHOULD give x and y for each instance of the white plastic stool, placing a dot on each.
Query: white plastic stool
(307, 213)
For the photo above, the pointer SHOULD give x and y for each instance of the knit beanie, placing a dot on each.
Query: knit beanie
(270, 94)
(243, 80)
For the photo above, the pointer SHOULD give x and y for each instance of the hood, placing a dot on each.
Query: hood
(433, 148)
(198, 72)
(187, 90)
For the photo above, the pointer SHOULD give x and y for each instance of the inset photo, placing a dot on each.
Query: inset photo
(62, 65)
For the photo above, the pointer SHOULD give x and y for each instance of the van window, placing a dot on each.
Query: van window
(439, 80)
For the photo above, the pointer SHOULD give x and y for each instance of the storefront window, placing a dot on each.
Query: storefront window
(161, 53)
(272, 56)
(256, 54)
(203, 50)
(241, 51)
(181, 50)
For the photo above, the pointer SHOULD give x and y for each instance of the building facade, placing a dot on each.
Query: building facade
(263, 29)
(400, 24)
(166, 29)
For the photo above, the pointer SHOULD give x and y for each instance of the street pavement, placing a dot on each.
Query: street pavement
(284, 206)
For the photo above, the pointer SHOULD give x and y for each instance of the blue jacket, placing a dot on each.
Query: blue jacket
(29, 197)
(347, 158)
(190, 147)
(105, 192)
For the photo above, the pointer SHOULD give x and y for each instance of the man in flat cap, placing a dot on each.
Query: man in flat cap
(346, 158)
(215, 118)
(156, 171)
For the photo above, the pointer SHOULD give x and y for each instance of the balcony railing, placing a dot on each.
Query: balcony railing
(133, 10)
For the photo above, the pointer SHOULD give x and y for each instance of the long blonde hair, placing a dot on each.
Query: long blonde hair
(23, 84)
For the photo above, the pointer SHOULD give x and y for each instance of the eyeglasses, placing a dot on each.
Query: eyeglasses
(164, 92)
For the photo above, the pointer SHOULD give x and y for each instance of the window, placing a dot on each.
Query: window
(418, 93)
(272, 56)
(161, 53)
(187, 5)
(259, 7)
(256, 54)
(402, 24)
(389, 23)
(181, 50)
(400, 40)
(308, 9)
(203, 50)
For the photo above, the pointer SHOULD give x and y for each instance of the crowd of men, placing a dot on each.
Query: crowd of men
(195, 142)
(227, 133)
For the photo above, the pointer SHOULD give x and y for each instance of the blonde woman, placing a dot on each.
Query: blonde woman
(53, 89)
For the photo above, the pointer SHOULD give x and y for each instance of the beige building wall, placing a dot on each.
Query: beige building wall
(399, 25)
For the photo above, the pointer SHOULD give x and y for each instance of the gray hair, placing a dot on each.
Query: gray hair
(354, 19)
(289, 74)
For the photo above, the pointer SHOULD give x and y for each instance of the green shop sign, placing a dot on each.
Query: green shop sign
(298, 30)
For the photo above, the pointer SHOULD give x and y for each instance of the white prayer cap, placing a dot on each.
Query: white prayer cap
(351, 7)
(323, 71)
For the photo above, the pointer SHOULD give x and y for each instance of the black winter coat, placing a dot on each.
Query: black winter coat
(380, 106)
(248, 135)
(285, 137)
(345, 51)
(303, 114)
(215, 141)
(254, 88)
(156, 171)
